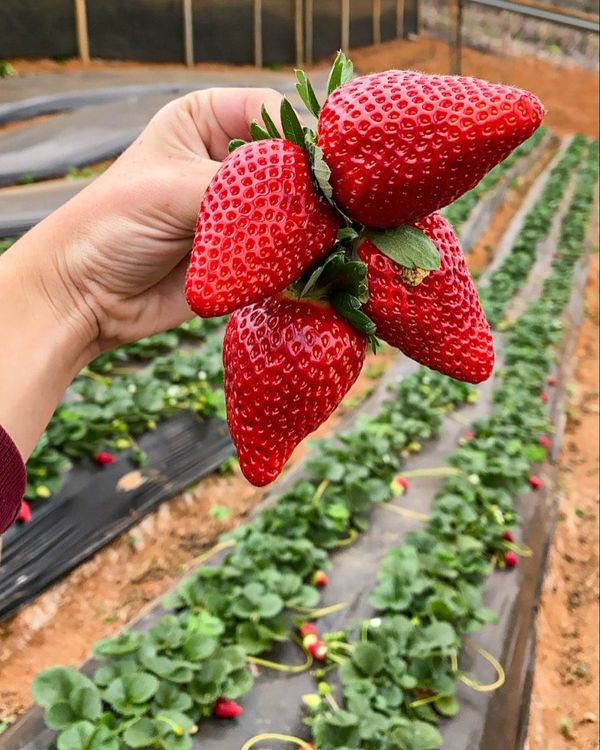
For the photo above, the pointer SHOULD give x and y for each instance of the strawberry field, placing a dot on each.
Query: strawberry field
(382, 593)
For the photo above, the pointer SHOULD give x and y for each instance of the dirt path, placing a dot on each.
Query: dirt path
(570, 95)
(564, 711)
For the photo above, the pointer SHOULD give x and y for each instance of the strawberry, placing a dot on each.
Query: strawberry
(317, 650)
(551, 380)
(544, 397)
(104, 458)
(439, 322)
(402, 144)
(545, 441)
(510, 559)
(261, 224)
(288, 363)
(535, 482)
(308, 628)
(24, 514)
(227, 709)
(400, 485)
(320, 579)
(508, 536)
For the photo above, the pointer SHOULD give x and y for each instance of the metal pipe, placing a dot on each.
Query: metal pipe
(543, 15)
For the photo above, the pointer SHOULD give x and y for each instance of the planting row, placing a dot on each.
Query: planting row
(399, 670)
(156, 685)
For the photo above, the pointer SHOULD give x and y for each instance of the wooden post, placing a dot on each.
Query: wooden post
(399, 18)
(299, 32)
(456, 18)
(345, 26)
(258, 44)
(308, 31)
(376, 12)
(188, 33)
(81, 27)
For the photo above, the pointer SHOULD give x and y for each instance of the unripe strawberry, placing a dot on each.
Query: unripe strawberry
(320, 578)
(227, 709)
(318, 651)
(310, 640)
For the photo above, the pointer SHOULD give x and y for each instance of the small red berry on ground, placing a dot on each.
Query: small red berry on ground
(227, 709)
(535, 482)
(104, 458)
(24, 512)
(510, 559)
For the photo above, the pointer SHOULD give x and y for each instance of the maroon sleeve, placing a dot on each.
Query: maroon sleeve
(12, 480)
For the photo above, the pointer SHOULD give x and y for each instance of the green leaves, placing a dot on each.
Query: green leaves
(341, 72)
(407, 246)
(321, 170)
(368, 658)
(129, 694)
(83, 735)
(292, 129)
(306, 93)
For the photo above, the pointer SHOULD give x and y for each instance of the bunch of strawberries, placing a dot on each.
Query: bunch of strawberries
(318, 242)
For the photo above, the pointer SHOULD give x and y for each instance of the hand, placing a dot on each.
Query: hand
(108, 267)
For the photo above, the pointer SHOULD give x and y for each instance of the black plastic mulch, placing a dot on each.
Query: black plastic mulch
(91, 509)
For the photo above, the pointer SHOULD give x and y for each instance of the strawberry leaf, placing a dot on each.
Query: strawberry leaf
(258, 133)
(407, 246)
(346, 234)
(269, 124)
(235, 143)
(341, 72)
(321, 171)
(292, 129)
(348, 306)
(307, 93)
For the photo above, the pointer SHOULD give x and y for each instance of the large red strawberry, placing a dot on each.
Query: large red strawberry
(288, 364)
(261, 224)
(438, 322)
(402, 144)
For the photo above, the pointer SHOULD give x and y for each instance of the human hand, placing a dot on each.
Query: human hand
(108, 267)
(124, 241)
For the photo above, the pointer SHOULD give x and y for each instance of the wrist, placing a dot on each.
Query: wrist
(45, 339)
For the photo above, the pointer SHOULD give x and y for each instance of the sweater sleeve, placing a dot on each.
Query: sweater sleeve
(12, 480)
